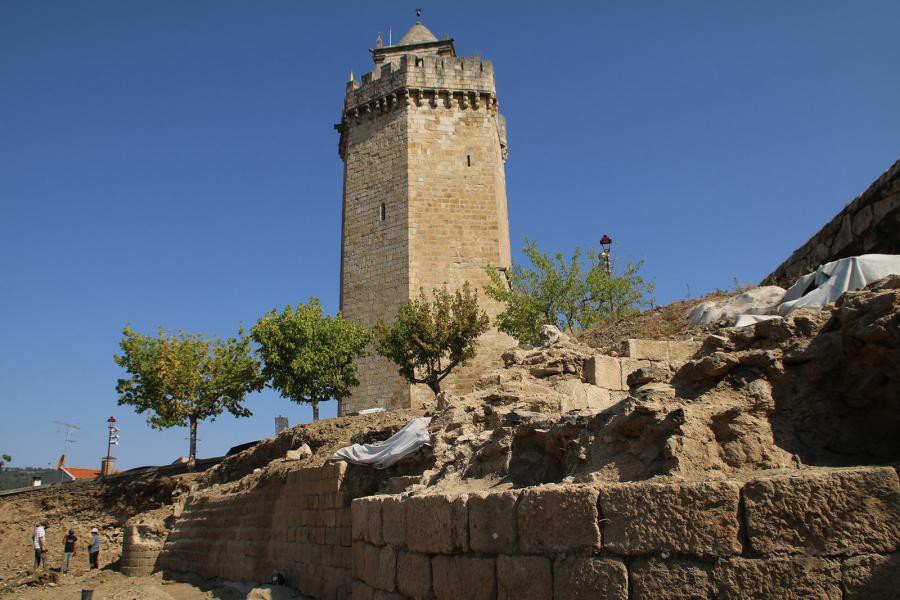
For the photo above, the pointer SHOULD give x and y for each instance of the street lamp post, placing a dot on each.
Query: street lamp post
(112, 440)
(606, 245)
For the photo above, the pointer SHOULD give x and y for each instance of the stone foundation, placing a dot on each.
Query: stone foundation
(819, 534)
(806, 534)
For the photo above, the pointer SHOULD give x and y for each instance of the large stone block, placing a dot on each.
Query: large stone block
(456, 577)
(589, 578)
(375, 534)
(852, 511)
(387, 569)
(675, 579)
(359, 511)
(361, 591)
(681, 352)
(629, 366)
(699, 519)
(794, 577)
(436, 524)
(414, 575)
(524, 578)
(649, 349)
(492, 522)
(393, 520)
(872, 577)
(558, 519)
(604, 371)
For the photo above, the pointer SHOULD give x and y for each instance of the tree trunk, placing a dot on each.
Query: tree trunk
(434, 385)
(315, 405)
(192, 456)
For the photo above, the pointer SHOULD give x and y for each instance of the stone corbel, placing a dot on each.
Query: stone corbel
(464, 100)
(476, 102)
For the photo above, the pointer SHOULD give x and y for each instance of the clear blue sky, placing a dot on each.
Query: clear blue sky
(173, 163)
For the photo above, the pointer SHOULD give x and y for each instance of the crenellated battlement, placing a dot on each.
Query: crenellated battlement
(465, 81)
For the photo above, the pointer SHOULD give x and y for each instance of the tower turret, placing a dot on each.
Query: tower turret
(424, 147)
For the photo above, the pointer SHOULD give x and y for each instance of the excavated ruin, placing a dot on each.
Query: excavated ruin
(720, 462)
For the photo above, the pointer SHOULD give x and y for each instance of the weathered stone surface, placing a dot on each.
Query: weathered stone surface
(458, 577)
(834, 512)
(393, 521)
(387, 569)
(588, 578)
(577, 395)
(629, 366)
(524, 578)
(698, 519)
(436, 524)
(414, 575)
(604, 371)
(675, 579)
(649, 349)
(301, 453)
(681, 352)
(796, 577)
(872, 577)
(359, 517)
(558, 519)
(492, 522)
(713, 365)
(375, 534)
(361, 591)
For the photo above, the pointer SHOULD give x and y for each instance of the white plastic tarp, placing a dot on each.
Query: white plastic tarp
(382, 455)
(834, 278)
(759, 300)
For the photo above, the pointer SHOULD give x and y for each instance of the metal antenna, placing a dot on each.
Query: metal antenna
(71, 428)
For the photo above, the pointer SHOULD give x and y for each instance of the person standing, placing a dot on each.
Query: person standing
(39, 538)
(94, 549)
(68, 551)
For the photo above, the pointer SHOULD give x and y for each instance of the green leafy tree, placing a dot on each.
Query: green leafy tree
(570, 293)
(308, 356)
(430, 338)
(182, 379)
(6, 459)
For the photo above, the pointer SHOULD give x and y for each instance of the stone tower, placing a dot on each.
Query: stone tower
(424, 148)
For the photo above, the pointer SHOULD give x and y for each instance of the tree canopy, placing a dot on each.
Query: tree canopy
(430, 338)
(309, 356)
(181, 379)
(570, 293)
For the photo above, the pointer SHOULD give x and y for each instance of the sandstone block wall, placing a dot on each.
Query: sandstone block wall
(298, 525)
(424, 147)
(815, 534)
(611, 372)
(870, 224)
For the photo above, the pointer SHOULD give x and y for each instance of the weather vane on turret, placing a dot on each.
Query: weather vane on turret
(418, 12)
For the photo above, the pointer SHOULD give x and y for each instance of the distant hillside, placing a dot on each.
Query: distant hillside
(12, 478)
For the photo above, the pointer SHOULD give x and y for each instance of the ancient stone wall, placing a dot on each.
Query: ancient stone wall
(298, 525)
(817, 534)
(870, 224)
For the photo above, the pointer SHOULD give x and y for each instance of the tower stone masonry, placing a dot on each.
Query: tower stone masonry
(424, 147)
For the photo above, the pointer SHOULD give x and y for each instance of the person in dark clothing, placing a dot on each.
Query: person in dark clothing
(68, 551)
(94, 548)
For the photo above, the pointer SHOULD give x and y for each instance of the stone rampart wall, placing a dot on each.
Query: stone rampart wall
(870, 224)
(816, 534)
(298, 525)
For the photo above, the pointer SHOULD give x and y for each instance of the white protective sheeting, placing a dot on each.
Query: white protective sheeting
(834, 278)
(744, 320)
(759, 300)
(382, 455)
